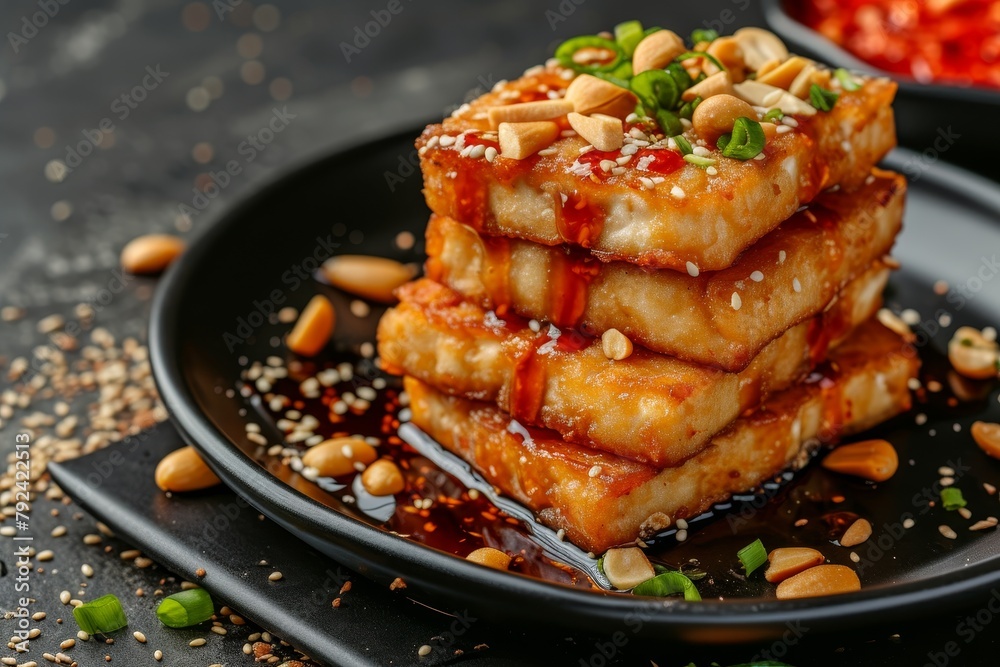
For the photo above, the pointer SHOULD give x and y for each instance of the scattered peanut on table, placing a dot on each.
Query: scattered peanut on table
(184, 470)
(151, 254)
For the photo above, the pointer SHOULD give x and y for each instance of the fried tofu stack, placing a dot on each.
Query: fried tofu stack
(652, 277)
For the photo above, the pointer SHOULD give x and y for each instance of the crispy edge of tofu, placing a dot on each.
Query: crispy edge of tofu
(715, 219)
(787, 277)
(603, 501)
(668, 409)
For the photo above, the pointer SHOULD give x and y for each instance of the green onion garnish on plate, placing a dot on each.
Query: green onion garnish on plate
(100, 616)
(186, 608)
(752, 556)
(668, 583)
(847, 81)
(951, 498)
(821, 98)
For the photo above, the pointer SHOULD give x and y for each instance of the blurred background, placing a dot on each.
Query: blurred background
(118, 118)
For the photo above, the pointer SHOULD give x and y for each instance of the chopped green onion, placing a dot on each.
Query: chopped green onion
(699, 161)
(752, 556)
(683, 144)
(100, 616)
(846, 80)
(649, 31)
(668, 583)
(687, 109)
(965, 342)
(952, 498)
(656, 89)
(566, 51)
(628, 35)
(611, 78)
(700, 54)
(186, 608)
(746, 142)
(668, 122)
(821, 98)
(773, 115)
(681, 76)
(702, 35)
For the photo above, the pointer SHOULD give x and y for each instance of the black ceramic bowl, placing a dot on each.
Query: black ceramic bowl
(935, 120)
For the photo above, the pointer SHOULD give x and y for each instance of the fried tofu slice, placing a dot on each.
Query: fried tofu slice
(643, 203)
(648, 407)
(787, 277)
(602, 500)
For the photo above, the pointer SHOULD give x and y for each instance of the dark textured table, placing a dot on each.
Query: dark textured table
(116, 119)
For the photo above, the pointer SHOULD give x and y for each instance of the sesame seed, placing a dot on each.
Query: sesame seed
(855, 557)
(608, 165)
(796, 285)
(195, 643)
(274, 576)
(989, 522)
(58, 531)
(646, 182)
(87, 570)
(736, 301)
(83, 636)
(681, 535)
(692, 269)
(67, 644)
(424, 651)
(946, 531)
(921, 418)
(756, 276)
(909, 523)
(677, 192)
(491, 154)
(965, 513)
(682, 524)
(594, 471)
(783, 129)
(46, 555)
(477, 151)
(64, 597)
(158, 655)
(139, 637)
(781, 256)
(945, 471)
(561, 534)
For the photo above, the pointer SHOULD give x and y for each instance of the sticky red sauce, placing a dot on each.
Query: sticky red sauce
(663, 162)
(945, 42)
(578, 221)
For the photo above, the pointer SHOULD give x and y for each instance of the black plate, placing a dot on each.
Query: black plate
(365, 196)
(937, 118)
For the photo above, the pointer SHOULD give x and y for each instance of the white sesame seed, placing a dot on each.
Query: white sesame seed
(947, 481)
(608, 165)
(946, 531)
(646, 182)
(677, 192)
(736, 301)
(561, 534)
(796, 285)
(756, 276)
(692, 269)
(909, 523)
(424, 651)
(491, 154)
(965, 513)
(274, 576)
(447, 140)
(781, 256)
(195, 643)
(855, 557)
(945, 471)
(629, 149)
(682, 524)
(681, 535)
(478, 151)
(87, 570)
(783, 129)
(618, 171)
(594, 471)
(139, 637)
(789, 121)
(921, 418)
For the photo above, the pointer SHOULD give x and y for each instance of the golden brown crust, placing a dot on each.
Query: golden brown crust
(653, 219)
(785, 278)
(601, 500)
(648, 407)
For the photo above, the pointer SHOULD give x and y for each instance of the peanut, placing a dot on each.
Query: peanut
(184, 470)
(870, 459)
(521, 140)
(987, 436)
(604, 132)
(490, 557)
(656, 51)
(151, 253)
(373, 278)
(627, 568)
(759, 47)
(590, 95)
(727, 51)
(383, 478)
(529, 111)
(717, 84)
(616, 345)
(857, 533)
(754, 92)
(818, 581)
(716, 116)
(789, 561)
(336, 457)
(973, 355)
(801, 85)
(784, 74)
(313, 329)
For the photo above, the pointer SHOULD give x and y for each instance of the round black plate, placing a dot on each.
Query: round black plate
(936, 118)
(206, 317)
